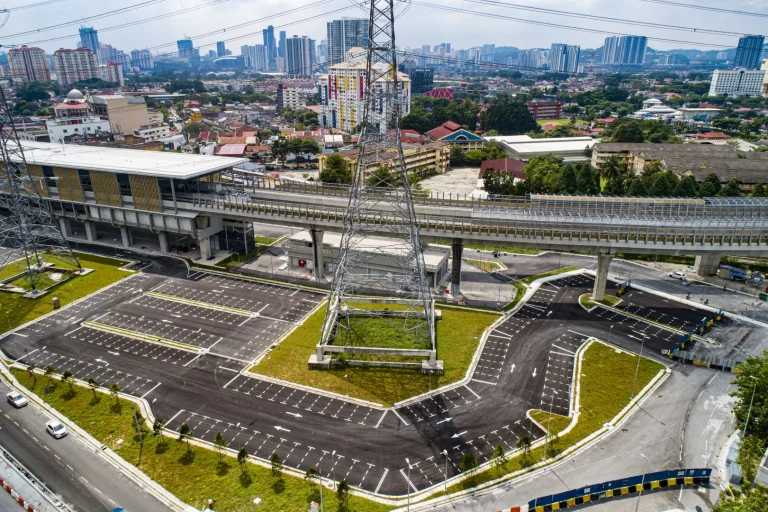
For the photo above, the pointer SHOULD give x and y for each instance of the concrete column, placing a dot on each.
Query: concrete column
(65, 226)
(205, 248)
(90, 231)
(457, 249)
(707, 264)
(601, 275)
(125, 233)
(317, 251)
(162, 237)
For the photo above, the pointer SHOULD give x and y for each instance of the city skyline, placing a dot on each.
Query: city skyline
(460, 29)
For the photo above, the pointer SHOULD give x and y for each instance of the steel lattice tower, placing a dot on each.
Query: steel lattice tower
(381, 203)
(26, 221)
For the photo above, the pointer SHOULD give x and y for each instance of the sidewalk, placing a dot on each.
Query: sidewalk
(23, 487)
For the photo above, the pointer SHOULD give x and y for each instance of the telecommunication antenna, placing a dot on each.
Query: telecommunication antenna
(26, 221)
(381, 208)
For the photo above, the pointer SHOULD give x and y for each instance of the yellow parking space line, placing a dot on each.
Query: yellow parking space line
(46, 448)
(70, 467)
(84, 480)
(25, 431)
(36, 440)
(59, 458)
(142, 337)
(207, 305)
(16, 423)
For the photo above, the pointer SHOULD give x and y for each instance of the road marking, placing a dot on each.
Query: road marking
(401, 418)
(281, 429)
(47, 449)
(513, 368)
(381, 481)
(151, 390)
(380, 419)
(294, 414)
(70, 467)
(478, 396)
(174, 417)
(232, 380)
(484, 382)
(59, 458)
(402, 472)
(228, 369)
(73, 331)
(534, 372)
(27, 354)
(84, 480)
(443, 421)
(560, 354)
(458, 434)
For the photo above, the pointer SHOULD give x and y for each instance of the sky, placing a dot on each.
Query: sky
(416, 26)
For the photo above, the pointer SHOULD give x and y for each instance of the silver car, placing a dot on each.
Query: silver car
(16, 399)
(56, 429)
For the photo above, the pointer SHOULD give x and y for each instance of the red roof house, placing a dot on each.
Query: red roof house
(444, 129)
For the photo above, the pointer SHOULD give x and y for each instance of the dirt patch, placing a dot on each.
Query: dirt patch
(462, 180)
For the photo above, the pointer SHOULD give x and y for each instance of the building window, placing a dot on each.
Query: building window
(124, 183)
(85, 180)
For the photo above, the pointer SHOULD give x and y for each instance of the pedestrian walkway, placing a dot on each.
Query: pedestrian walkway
(32, 494)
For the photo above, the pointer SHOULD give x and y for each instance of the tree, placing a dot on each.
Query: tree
(93, 383)
(707, 190)
(585, 181)
(508, 117)
(468, 463)
(457, 156)
(242, 458)
(277, 464)
(567, 184)
(751, 452)
(342, 494)
(614, 168)
(265, 134)
(524, 444)
(628, 132)
(192, 130)
(751, 500)
(653, 167)
(760, 190)
(664, 184)
(731, 189)
(157, 427)
(637, 189)
(310, 476)
(68, 378)
(714, 180)
(474, 156)
(382, 176)
(499, 458)
(184, 434)
(614, 187)
(220, 443)
(752, 378)
(114, 391)
(336, 169)
(687, 187)
(49, 373)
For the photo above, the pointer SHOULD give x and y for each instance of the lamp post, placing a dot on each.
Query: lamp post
(320, 476)
(346, 379)
(445, 484)
(637, 368)
(333, 469)
(409, 482)
(754, 388)
(9, 321)
(642, 486)
(549, 420)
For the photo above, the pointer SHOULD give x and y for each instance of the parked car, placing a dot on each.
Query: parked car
(16, 399)
(56, 429)
(678, 275)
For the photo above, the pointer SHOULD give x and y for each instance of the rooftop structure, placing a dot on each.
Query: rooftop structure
(523, 147)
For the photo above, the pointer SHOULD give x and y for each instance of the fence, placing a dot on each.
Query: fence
(718, 363)
(688, 340)
(624, 486)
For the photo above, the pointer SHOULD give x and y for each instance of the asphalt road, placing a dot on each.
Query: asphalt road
(69, 467)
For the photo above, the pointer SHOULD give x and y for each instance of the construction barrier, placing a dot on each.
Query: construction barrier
(606, 490)
(718, 363)
(687, 341)
(21, 501)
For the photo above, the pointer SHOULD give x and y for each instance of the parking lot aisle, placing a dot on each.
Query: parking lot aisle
(558, 377)
(115, 343)
(165, 328)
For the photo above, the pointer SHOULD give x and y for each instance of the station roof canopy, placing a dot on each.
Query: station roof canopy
(160, 164)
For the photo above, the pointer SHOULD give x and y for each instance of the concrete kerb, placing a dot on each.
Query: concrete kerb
(138, 476)
(561, 459)
(721, 467)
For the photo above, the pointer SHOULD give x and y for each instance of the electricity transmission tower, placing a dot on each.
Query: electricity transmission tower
(26, 221)
(380, 203)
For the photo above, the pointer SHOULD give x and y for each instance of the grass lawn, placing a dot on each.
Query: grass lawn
(564, 122)
(521, 288)
(529, 280)
(21, 310)
(458, 334)
(487, 265)
(606, 385)
(608, 300)
(501, 248)
(45, 280)
(384, 333)
(193, 477)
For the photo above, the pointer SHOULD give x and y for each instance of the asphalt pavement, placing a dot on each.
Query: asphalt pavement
(68, 466)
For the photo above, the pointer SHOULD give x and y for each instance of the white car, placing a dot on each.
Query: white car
(56, 429)
(16, 399)
(678, 275)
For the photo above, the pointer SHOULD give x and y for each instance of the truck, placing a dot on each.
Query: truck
(732, 273)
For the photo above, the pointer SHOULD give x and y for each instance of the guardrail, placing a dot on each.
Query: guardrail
(622, 487)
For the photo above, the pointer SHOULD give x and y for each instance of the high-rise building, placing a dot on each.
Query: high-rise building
(269, 42)
(749, 52)
(564, 58)
(188, 51)
(29, 64)
(221, 49)
(534, 58)
(322, 51)
(89, 38)
(625, 50)
(289, 97)
(142, 59)
(281, 45)
(344, 34)
(341, 94)
(299, 56)
(112, 72)
(255, 57)
(737, 82)
(74, 65)
(422, 80)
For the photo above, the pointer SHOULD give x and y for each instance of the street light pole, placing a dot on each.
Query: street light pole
(445, 484)
(9, 321)
(333, 469)
(549, 420)
(320, 476)
(346, 378)
(754, 388)
(637, 368)
(408, 483)
(642, 486)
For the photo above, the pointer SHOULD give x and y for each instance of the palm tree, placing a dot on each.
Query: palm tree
(524, 443)
(613, 168)
(185, 433)
(49, 372)
(114, 391)
(242, 457)
(220, 443)
(277, 464)
(69, 378)
(93, 383)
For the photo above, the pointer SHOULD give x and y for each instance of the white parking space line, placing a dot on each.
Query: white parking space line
(151, 390)
(401, 418)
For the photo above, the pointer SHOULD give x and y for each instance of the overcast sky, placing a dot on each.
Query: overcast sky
(418, 25)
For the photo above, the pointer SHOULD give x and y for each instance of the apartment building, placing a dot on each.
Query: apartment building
(289, 97)
(124, 113)
(737, 82)
(74, 65)
(545, 109)
(28, 64)
(112, 72)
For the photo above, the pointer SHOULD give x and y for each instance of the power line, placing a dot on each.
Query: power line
(32, 6)
(706, 8)
(560, 26)
(651, 24)
(132, 23)
(88, 18)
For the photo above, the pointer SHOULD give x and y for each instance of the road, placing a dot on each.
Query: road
(68, 466)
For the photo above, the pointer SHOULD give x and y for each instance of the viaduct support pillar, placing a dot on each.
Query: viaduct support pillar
(317, 252)
(90, 231)
(707, 264)
(162, 237)
(205, 248)
(601, 275)
(457, 249)
(125, 234)
(66, 227)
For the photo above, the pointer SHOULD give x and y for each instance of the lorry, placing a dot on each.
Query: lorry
(732, 273)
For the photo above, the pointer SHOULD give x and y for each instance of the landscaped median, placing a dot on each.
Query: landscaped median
(18, 310)
(522, 285)
(604, 383)
(458, 335)
(192, 473)
(589, 303)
